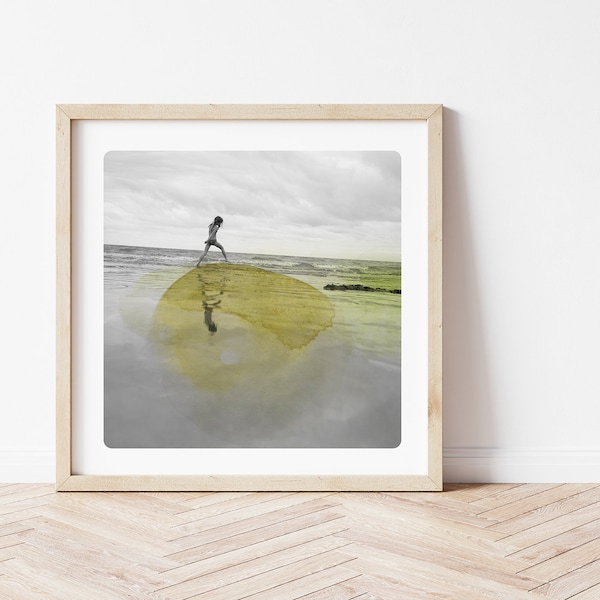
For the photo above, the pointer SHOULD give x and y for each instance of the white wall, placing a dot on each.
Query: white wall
(519, 80)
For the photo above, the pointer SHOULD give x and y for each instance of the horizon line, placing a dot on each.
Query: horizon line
(258, 253)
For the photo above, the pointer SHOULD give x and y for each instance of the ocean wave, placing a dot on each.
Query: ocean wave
(121, 259)
(304, 265)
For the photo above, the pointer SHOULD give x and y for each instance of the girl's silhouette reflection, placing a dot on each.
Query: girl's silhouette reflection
(210, 301)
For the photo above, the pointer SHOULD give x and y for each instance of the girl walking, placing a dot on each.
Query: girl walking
(212, 239)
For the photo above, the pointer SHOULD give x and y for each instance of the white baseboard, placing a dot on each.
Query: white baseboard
(27, 466)
(492, 465)
(461, 465)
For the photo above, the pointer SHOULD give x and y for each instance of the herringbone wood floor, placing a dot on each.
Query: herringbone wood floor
(509, 542)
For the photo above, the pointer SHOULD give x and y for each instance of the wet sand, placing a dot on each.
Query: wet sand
(234, 356)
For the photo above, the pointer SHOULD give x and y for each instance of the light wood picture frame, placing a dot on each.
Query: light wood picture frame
(208, 475)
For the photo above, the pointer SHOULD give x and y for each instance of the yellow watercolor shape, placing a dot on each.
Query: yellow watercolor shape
(224, 325)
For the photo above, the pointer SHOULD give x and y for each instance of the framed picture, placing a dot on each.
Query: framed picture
(249, 297)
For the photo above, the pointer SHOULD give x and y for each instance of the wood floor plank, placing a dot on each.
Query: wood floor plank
(491, 568)
(244, 525)
(180, 497)
(353, 586)
(207, 563)
(338, 591)
(276, 578)
(261, 505)
(525, 516)
(535, 502)
(63, 540)
(9, 485)
(118, 569)
(32, 569)
(592, 593)
(190, 515)
(120, 509)
(461, 512)
(573, 583)
(516, 494)
(379, 589)
(19, 516)
(252, 568)
(472, 493)
(109, 528)
(16, 527)
(210, 498)
(297, 588)
(566, 562)
(9, 541)
(443, 531)
(254, 536)
(430, 579)
(444, 512)
(17, 493)
(16, 510)
(552, 527)
(562, 542)
(141, 502)
(24, 588)
(420, 588)
(8, 553)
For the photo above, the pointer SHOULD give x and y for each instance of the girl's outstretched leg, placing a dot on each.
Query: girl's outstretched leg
(223, 251)
(203, 255)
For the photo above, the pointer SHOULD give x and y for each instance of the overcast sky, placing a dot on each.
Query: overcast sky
(327, 204)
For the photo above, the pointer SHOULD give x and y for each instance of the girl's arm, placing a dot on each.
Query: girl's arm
(212, 231)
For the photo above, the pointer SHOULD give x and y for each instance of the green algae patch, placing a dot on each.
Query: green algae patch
(224, 325)
(292, 310)
(388, 279)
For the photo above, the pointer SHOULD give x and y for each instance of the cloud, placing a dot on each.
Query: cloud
(274, 196)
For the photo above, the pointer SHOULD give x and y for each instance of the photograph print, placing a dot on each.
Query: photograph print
(252, 299)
